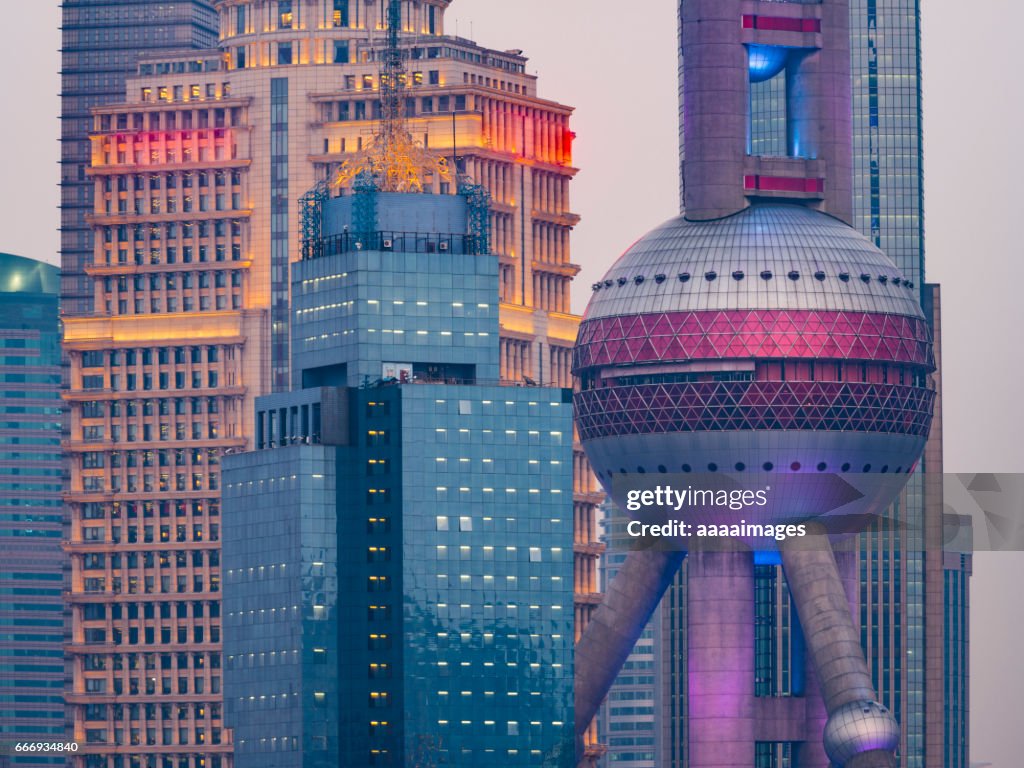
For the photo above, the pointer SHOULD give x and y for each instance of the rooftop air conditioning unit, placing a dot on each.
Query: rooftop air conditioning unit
(443, 246)
(387, 244)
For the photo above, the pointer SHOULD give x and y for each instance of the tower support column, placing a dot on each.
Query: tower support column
(860, 732)
(810, 753)
(716, 108)
(720, 659)
(616, 626)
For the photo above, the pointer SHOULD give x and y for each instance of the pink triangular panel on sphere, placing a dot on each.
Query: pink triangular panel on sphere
(662, 326)
(843, 325)
(631, 326)
(645, 351)
(738, 347)
(705, 349)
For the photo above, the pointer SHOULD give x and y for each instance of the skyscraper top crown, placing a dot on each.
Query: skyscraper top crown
(242, 20)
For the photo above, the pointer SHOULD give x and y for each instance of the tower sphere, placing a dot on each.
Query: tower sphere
(778, 339)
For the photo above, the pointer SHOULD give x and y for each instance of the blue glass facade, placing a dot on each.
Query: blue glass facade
(31, 564)
(418, 308)
(280, 626)
(888, 180)
(471, 494)
(451, 534)
(956, 661)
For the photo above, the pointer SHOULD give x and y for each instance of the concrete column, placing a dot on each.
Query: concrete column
(832, 640)
(819, 97)
(720, 659)
(811, 753)
(715, 108)
(859, 732)
(615, 627)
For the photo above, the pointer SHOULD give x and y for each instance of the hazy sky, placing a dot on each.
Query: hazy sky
(616, 62)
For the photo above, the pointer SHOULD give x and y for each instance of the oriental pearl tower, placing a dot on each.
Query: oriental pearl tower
(757, 333)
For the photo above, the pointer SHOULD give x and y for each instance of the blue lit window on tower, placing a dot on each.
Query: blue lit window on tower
(768, 114)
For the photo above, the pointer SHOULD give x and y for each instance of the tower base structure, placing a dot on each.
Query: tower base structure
(836, 721)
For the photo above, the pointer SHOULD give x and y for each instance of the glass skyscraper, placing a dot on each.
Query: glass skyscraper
(398, 550)
(31, 559)
(888, 176)
(920, 638)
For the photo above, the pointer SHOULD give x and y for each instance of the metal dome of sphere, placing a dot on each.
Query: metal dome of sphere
(771, 256)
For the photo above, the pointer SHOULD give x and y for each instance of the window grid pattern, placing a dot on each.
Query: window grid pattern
(280, 207)
(31, 481)
(768, 116)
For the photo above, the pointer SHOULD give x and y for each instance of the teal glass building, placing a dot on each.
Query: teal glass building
(31, 559)
(398, 550)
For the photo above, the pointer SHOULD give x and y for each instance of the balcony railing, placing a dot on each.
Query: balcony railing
(403, 242)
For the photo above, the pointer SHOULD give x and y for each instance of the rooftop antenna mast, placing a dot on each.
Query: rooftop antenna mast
(394, 161)
(393, 129)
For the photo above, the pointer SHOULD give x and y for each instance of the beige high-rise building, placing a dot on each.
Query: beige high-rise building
(197, 179)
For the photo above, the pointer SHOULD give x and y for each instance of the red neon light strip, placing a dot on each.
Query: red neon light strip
(780, 23)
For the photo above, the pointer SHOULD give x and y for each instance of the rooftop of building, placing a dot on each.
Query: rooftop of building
(19, 274)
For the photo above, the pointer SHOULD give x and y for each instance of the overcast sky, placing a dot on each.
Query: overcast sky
(616, 63)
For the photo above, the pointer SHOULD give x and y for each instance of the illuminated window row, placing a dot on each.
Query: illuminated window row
(443, 491)
(443, 334)
(510, 434)
(260, 571)
(466, 580)
(315, 284)
(536, 554)
(509, 404)
(376, 304)
(462, 462)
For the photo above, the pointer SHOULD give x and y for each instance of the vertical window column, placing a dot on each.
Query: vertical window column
(279, 199)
